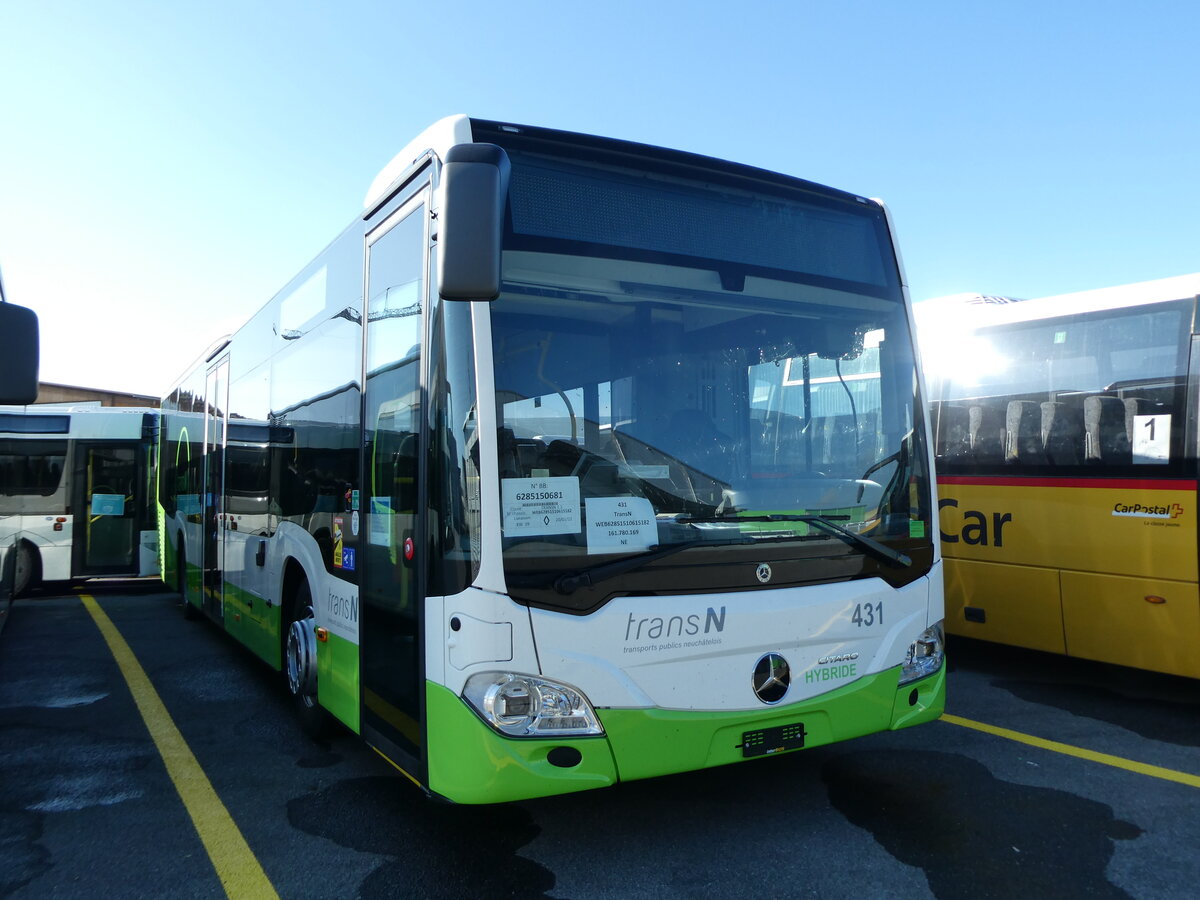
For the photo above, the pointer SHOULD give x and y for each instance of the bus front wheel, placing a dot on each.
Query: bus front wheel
(300, 663)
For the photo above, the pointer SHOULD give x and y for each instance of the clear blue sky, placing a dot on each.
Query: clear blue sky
(166, 167)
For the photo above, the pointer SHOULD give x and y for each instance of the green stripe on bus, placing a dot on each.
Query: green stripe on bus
(338, 679)
(651, 742)
(471, 763)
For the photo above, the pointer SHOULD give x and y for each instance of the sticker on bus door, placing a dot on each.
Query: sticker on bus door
(539, 506)
(379, 522)
(108, 504)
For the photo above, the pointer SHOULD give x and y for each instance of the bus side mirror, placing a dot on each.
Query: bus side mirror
(18, 354)
(474, 189)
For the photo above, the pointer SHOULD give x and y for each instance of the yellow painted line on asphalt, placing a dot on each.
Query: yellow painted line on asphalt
(397, 768)
(238, 868)
(1079, 752)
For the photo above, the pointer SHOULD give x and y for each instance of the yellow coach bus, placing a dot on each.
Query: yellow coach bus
(1066, 451)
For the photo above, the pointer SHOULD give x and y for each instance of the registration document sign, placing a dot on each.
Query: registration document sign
(620, 524)
(536, 506)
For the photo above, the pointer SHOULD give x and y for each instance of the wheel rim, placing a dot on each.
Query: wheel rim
(302, 660)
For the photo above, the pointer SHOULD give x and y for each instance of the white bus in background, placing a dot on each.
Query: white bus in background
(77, 496)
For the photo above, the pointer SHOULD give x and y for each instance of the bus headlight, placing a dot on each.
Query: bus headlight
(925, 654)
(527, 706)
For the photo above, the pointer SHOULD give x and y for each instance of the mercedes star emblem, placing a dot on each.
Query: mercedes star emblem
(771, 678)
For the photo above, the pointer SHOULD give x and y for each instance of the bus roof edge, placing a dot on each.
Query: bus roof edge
(438, 137)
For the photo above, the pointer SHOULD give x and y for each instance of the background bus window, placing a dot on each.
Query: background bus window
(1101, 389)
(31, 468)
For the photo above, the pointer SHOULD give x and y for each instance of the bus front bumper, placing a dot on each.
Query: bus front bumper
(470, 763)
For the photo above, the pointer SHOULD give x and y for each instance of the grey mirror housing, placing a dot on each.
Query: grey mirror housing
(18, 354)
(474, 189)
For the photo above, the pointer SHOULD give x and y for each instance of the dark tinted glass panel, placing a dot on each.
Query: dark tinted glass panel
(454, 483)
(392, 607)
(36, 424)
(658, 213)
(31, 468)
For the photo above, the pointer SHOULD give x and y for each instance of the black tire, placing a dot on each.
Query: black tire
(299, 664)
(28, 569)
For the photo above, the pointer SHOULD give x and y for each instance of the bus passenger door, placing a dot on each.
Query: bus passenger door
(392, 614)
(108, 495)
(213, 495)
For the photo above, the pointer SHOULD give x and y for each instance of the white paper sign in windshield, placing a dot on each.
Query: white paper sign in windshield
(620, 524)
(535, 506)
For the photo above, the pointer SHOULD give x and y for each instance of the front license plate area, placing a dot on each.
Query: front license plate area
(773, 740)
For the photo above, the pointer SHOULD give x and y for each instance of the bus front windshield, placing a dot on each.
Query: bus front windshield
(668, 420)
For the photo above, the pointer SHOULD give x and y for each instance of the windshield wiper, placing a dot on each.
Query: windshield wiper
(883, 551)
(570, 582)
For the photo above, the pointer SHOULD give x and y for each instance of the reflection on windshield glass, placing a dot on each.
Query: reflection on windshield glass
(641, 413)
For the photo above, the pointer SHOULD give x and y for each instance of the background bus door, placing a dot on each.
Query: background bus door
(108, 496)
(392, 615)
(213, 495)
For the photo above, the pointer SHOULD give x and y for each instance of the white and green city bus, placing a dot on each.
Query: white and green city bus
(77, 492)
(572, 461)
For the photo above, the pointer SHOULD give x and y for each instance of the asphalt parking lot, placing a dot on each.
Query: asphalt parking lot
(1047, 777)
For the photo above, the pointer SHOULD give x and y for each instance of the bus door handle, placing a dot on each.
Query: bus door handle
(260, 555)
